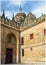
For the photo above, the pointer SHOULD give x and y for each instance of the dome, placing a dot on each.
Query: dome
(20, 16)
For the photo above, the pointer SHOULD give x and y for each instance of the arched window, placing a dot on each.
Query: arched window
(10, 38)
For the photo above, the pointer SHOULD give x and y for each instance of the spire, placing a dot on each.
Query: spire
(42, 14)
(3, 14)
(20, 9)
(13, 17)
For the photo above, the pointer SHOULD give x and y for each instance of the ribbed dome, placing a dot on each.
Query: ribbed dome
(20, 16)
(20, 13)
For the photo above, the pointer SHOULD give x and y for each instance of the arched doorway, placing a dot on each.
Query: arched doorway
(9, 54)
(11, 46)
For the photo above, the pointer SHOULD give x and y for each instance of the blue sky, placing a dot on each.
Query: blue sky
(37, 7)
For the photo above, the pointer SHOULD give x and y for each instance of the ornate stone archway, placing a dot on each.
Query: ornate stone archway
(10, 43)
(11, 38)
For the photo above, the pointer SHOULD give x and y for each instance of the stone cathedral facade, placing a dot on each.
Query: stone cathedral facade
(22, 38)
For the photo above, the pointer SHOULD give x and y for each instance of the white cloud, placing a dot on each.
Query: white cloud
(17, 2)
(0, 13)
(8, 14)
(39, 10)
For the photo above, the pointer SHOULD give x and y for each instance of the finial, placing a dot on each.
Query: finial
(42, 13)
(20, 9)
(13, 17)
(3, 14)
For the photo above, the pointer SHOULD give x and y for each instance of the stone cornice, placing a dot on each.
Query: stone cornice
(27, 25)
(17, 29)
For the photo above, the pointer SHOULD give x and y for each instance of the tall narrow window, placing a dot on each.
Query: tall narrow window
(22, 52)
(45, 31)
(31, 36)
(10, 39)
(22, 39)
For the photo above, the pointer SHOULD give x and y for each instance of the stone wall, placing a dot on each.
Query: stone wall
(5, 31)
(34, 49)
